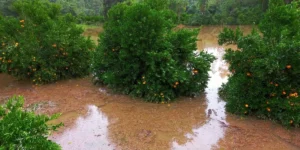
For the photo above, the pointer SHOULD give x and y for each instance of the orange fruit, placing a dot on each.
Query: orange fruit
(268, 109)
(246, 105)
(248, 74)
(195, 71)
(276, 84)
(176, 83)
(144, 82)
(291, 121)
(283, 93)
(288, 66)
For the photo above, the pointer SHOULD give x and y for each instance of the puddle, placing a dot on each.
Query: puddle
(212, 131)
(95, 118)
(89, 133)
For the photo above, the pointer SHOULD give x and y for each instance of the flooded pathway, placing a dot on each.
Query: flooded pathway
(97, 119)
(208, 135)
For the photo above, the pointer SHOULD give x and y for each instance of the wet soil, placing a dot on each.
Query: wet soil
(96, 118)
(93, 33)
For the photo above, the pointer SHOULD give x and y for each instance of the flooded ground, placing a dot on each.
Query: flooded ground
(97, 119)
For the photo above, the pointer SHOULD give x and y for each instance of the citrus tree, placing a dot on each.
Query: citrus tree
(141, 54)
(42, 45)
(20, 129)
(265, 67)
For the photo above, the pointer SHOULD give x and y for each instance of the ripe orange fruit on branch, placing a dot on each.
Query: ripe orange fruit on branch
(195, 71)
(248, 74)
(246, 105)
(288, 66)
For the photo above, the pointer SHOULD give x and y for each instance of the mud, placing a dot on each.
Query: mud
(96, 118)
(93, 33)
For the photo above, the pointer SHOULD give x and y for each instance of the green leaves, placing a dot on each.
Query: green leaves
(20, 129)
(141, 54)
(265, 67)
(43, 45)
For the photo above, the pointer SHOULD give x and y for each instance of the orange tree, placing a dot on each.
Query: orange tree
(265, 68)
(42, 45)
(141, 54)
(21, 129)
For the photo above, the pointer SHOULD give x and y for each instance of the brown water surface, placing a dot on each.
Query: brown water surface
(97, 119)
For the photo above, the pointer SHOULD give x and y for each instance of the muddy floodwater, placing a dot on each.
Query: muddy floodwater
(97, 119)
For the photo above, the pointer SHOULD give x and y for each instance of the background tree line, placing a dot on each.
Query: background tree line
(190, 12)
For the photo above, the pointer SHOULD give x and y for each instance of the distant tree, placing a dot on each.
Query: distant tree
(107, 4)
(5, 8)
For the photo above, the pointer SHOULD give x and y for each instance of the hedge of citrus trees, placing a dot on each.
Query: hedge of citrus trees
(265, 68)
(140, 54)
(42, 45)
(20, 129)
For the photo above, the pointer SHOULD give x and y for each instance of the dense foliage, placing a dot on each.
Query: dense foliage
(265, 68)
(20, 129)
(43, 45)
(139, 54)
(204, 12)
(192, 12)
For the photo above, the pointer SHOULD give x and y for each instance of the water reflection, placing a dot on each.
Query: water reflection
(90, 133)
(209, 134)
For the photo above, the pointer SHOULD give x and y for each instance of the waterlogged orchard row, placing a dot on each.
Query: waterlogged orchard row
(151, 59)
(97, 117)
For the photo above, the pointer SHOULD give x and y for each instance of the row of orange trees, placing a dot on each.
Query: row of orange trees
(265, 68)
(139, 54)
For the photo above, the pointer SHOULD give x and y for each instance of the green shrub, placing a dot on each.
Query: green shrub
(20, 129)
(42, 45)
(82, 19)
(265, 68)
(141, 54)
